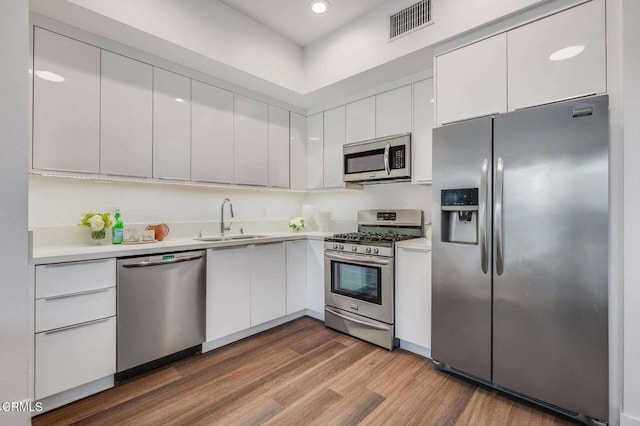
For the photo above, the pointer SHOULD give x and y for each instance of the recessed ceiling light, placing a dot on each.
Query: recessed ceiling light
(319, 6)
(566, 53)
(49, 76)
(179, 100)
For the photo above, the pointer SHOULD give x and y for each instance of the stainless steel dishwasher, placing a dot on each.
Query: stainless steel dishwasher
(161, 307)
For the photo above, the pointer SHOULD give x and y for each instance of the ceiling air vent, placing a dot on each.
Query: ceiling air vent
(410, 18)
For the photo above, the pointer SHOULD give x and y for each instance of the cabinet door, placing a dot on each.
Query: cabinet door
(126, 116)
(211, 133)
(393, 112)
(228, 292)
(421, 144)
(334, 139)
(472, 81)
(413, 296)
(296, 276)
(315, 151)
(251, 144)
(298, 151)
(361, 120)
(66, 104)
(69, 357)
(268, 282)
(315, 276)
(278, 147)
(559, 57)
(171, 125)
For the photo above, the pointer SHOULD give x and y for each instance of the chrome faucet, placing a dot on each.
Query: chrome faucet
(222, 227)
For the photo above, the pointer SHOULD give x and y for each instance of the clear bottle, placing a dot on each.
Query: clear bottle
(118, 229)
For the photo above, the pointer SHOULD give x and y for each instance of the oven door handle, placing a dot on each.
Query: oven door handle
(357, 321)
(371, 260)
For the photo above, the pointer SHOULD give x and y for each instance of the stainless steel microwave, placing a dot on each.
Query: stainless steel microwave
(378, 160)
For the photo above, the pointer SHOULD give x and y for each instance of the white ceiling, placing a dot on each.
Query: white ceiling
(294, 19)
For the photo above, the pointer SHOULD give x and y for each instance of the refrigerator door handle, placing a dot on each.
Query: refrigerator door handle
(482, 216)
(498, 220)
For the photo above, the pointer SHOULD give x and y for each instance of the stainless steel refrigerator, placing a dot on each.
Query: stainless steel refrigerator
(520, 253)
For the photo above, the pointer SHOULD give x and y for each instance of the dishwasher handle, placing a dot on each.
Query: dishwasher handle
(146, 263)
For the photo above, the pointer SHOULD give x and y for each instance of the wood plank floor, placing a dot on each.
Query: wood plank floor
(300, 373)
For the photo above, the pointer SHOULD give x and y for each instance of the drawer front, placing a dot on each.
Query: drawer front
(74, 356)
(63, 310)
(63, 278)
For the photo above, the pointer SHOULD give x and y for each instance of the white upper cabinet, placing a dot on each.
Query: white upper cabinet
(315, 151)
(251, 144)
(393, 112)
(278, 147)
(361, 120)
(66, 104)
(558, 57)
(472, 81)
(171, 125)
(298, 151)
(211, 133)
(268, 282)
(421, 143)
(126, 116)
(334, 139)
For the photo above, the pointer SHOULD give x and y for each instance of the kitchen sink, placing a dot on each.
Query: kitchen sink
(230, 237)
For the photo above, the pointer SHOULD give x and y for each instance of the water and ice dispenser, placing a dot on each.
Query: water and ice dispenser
(460, 215)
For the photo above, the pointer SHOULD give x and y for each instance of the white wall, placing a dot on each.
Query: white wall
(55, 201)
(631, 70)
(15, 333)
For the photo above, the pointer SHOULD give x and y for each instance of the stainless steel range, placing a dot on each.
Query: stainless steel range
(359, 274)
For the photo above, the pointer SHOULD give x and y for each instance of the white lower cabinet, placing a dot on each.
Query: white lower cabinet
(296, 276)
(74, 355)
(413, 296)
(75, 322)
(228, 292)
(315, 276)
(268, 282)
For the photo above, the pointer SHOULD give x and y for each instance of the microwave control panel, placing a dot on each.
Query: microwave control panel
(397, 159)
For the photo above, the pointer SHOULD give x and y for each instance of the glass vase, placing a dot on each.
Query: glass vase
(98, 237)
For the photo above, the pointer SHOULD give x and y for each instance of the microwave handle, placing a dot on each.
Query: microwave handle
(387, 167)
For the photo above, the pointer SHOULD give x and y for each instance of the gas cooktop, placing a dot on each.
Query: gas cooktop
(371, 238)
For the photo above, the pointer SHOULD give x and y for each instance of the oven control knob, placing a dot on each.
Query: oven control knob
(375, 251)
(335, 247)
(354, 248)
(368, 250)
(341, 246)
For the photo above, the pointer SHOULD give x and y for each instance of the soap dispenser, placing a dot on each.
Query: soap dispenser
(118, 229)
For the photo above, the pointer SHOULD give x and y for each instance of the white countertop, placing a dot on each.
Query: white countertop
(79, 252)
(416, 243)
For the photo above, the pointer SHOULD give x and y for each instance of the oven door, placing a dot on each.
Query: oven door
(360, 284)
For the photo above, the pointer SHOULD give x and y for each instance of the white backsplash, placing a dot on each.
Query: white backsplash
(56, 204)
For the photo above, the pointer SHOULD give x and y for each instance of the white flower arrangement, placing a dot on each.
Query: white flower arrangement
(98, 222)
(297, 223)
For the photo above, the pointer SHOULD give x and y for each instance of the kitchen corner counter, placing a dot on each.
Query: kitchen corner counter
(416, 244)
(82, 252)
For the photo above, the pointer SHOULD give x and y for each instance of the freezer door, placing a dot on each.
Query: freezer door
(461, 272)
(550, 237)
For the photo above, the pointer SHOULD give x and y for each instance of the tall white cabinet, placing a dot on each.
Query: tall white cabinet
(278, 147)
(171, 125)
(66, 104)
(334, 139)
(315, 151)
(251, 143)
(126, 116)
(211, 133)
(298, 151)
(393, 111)
(421, 140)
